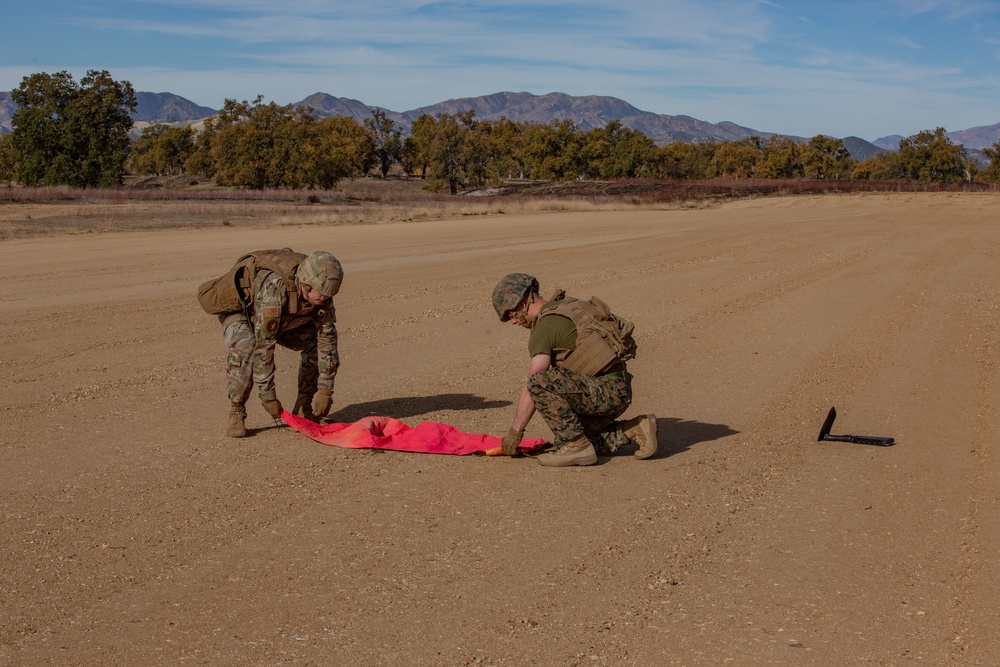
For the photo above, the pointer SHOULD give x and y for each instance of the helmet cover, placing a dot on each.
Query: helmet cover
(509, 292)
(322, 272)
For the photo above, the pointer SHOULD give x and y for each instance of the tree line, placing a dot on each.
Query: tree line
(77, 134)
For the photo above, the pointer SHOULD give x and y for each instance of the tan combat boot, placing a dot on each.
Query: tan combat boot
(578, 452)
(642, 430)
(237, 416)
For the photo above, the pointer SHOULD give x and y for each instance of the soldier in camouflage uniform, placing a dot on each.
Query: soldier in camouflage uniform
(286, 300)
(580, 402)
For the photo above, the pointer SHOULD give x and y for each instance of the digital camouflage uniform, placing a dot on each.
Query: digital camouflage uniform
(571, 404)
(586, 385)
(312, 332)
(574, 404)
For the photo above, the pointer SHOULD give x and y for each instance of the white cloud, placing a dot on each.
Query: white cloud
(760, 64)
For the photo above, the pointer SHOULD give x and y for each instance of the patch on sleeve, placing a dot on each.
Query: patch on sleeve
(272, 311)
(271, 326)
(325, 316)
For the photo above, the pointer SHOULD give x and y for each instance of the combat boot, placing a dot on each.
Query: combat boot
(577, 452)
(303, 408)
(642, 430)
(237, 417)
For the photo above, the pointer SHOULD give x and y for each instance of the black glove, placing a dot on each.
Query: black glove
(322, 402)
(273, 408)
(511, 441)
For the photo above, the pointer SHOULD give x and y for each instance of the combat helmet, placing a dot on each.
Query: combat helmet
(322, 272)
(510, 291)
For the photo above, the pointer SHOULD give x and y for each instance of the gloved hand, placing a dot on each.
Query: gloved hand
(303, 407)
(511, 441)
(273, 408)
(322, 402)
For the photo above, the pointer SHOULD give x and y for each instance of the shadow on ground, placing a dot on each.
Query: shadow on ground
(408, 406)
(677, 435)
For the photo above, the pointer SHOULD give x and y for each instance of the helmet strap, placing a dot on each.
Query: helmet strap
(520, 315)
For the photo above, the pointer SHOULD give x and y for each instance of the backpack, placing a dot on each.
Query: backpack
(234, 291)
(602, 338)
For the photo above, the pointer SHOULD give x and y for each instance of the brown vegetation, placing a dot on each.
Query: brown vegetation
(178, 202)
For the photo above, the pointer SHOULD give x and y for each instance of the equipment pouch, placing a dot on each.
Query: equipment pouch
(220, 295)
(602, 338)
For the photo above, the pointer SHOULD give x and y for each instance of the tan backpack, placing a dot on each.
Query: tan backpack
(602, 338)
(234, 291)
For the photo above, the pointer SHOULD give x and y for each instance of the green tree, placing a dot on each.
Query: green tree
(780, 157)
(478, 152)
(256, 145)
(616, 151)
(505, 144)
(7, 162)
(387, 140)
(882, 166)
(348, 147)
(555, 151)
(162, 150)
(244, 143)
(66, 133)
(679, 159)
(447, 145)
(930, 156)
(200, 160)
(827, 158)
(991, 174)
(416, 147)
(737, 159)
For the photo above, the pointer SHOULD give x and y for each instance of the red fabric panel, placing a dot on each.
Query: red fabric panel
(389, 433)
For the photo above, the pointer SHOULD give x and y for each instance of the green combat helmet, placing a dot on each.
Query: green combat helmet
(509, 292)
(322, 272)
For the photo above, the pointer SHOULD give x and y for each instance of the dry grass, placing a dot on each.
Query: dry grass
(28, 212)
(184, 202)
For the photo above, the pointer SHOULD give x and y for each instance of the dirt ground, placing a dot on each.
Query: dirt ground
(135, 533)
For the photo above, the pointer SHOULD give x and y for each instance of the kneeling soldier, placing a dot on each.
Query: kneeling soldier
(577, 376)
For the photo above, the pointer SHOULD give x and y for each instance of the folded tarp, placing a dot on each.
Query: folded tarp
(389, 433)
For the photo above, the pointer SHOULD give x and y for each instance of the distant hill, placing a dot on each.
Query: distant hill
(168, 108)
(890, 143)
(977, 156)
(980, 137)
(7, 108)
(588, 112)
(859, 148)
(974, 138)
(327, 106)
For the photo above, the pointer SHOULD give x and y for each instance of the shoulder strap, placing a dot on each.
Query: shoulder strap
(283, 263)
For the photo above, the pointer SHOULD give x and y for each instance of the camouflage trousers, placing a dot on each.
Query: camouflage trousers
(573, 404)
(240, 345)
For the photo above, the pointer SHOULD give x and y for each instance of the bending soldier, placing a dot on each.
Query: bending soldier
(277, 297)
(577, 377)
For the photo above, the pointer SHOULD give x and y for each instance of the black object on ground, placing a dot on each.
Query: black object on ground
(824, 434)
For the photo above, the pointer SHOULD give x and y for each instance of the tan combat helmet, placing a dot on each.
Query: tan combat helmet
(322, 272)
(510, 291)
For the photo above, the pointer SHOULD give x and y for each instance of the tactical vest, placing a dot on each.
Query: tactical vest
(602, 338)
(235, 291)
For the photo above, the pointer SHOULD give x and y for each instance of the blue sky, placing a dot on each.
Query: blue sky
(840, 68)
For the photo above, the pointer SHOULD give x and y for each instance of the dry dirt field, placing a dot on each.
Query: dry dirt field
(133, 532)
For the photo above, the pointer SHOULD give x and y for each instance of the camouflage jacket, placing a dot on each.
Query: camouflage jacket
(271, 320)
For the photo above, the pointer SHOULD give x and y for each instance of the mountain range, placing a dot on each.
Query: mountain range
(588, 112)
